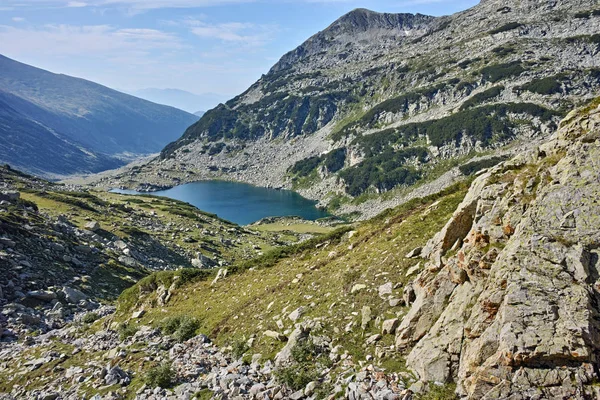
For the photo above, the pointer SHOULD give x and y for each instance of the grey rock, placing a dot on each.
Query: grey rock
(73, 296)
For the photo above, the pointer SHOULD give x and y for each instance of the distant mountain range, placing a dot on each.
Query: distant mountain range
(54, 124)
(181, 99)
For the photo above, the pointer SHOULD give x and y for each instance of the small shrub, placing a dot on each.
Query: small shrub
(546, 86)
(204, 394)
(503, 51)
(160, 376)
(505, 28)
(476, 166)
(187, 329)
(127, 331)
(308, 358)
(170, 324)
(182, 328)
(90, 318)
(239, 348)
(497, 72)
(297, 376)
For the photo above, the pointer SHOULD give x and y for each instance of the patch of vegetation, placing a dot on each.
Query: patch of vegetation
(161, 375)
(587, 14)
(239, 348)
(481, 123)
(383, 171)
(277, 113)
(482, 97)
(307, 359)
(270, 258)
(505, 28)
(544, 86)
(584, 38)
(497, 72)
(64, 197)
(440, 392)
(473, 167)
(127, 331)
(181, 327)
(503, 51)
(130, 297)
(466, 63)
(398, 104)
(90, 318)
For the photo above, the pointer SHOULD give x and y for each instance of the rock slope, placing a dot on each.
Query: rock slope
(507, 306)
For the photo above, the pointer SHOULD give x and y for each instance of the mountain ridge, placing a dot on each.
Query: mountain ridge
(91, 116)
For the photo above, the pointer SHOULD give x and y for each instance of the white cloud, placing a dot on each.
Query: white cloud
(100, 40)
(18, 19)
(76, 4)
(234, 32)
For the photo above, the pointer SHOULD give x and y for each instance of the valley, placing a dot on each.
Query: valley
(404, 207)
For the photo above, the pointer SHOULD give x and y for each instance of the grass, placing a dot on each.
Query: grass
(314, 275)
(294, 227)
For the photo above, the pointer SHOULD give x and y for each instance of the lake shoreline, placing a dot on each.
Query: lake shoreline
(238, 202)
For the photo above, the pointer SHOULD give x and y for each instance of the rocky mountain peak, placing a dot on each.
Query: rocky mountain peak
(361, 20)
(358, 26)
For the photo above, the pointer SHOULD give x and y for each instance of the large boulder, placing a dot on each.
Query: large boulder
(506, 305)
(73, 296)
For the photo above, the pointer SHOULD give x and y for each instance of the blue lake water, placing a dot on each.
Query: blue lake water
(239, 202)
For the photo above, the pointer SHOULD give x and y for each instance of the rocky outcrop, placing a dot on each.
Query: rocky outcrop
(507, 306)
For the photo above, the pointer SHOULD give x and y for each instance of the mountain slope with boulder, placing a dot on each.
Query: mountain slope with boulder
(485, 293)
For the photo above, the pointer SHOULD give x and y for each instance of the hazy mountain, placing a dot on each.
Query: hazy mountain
(80, 114)
(181, 99)
(199, 113)
(31, 146)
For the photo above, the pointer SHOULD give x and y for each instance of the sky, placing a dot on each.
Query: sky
(201, 46)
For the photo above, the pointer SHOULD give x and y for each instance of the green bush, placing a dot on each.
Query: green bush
(181, 327)
(160, 376)
(297, 376)
(239, 348)
(127, 331)
(187, 329)
(482, 97)
(503, 51)
(332, 161)
(505, 28)
(306, 166)
(545, 86)
(383, 171)
(307, 358)
(475, 166)
(90, 318)
(497, 72)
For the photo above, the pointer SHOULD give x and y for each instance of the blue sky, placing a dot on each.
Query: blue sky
(217, 46)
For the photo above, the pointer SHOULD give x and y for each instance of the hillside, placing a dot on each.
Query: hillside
(54, 236)
(377, 104)
(487, 290)
(82, 125)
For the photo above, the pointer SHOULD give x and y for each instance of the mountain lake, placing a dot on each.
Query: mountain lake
(239, 202)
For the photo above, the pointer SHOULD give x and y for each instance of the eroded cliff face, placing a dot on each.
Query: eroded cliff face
(507, 306)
